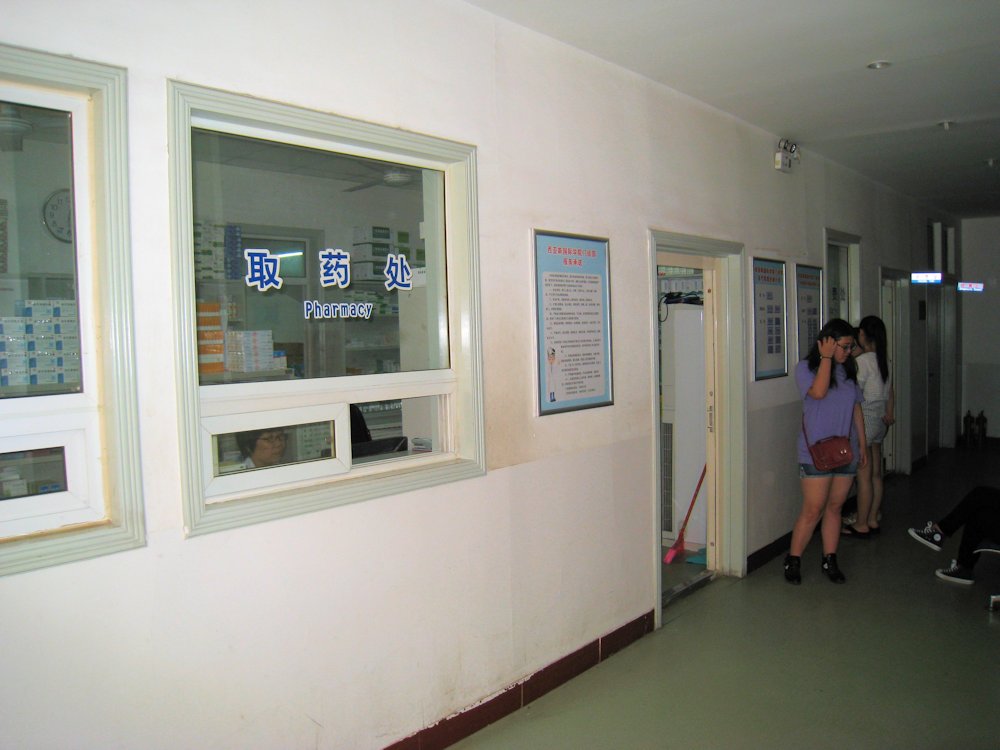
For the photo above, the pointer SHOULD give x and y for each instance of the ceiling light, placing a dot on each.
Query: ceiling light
(946, 124)
(879, 64)
(397, 177)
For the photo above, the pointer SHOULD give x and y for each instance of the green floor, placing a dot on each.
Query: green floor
(894, 659)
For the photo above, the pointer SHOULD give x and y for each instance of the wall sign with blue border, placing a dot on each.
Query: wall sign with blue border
(809, 299)
(573, 311)
(769, 316)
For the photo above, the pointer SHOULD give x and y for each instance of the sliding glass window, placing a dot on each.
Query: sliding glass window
(316, 267)
(64, 286)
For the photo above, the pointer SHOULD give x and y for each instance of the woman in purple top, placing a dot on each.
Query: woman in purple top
(831, 405)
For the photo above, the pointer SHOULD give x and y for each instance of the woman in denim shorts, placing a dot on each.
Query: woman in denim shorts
(831, 405)
(878, 409)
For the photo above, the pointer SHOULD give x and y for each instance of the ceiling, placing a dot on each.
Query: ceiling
(799, 69)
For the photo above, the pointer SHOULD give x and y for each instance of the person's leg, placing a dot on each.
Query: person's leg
(836, 495)
(864, 495)
(983, 524)
(814, 496)
(980, 497)
(878, 484)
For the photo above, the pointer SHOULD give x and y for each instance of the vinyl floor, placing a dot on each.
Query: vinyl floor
(896, 658)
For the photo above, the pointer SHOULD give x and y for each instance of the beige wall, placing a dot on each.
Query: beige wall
(358, 625)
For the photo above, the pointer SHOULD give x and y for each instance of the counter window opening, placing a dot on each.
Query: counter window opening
(322, 263)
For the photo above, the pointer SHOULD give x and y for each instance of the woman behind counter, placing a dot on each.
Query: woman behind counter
(262, 448)
(831, 405)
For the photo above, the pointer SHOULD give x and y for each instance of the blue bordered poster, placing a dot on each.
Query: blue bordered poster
(573, 309)
(809, 299)
(770, 352)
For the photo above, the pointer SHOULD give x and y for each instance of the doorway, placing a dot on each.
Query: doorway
(943, 382)
(686, 391)
(894, 305)
(843, 254)
(720, 409)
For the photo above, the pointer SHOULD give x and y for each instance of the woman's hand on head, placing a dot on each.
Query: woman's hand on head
(827, 346)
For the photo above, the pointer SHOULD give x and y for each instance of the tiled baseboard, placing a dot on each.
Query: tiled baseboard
(449, 731)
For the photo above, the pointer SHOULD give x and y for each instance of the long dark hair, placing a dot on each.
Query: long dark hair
(874, 330)
(835, 328)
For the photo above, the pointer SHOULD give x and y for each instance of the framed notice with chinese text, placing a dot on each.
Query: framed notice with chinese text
(770, 351)
(809, 303)
(573, 308)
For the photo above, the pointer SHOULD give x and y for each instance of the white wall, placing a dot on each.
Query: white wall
(980, 344)
(358, 625)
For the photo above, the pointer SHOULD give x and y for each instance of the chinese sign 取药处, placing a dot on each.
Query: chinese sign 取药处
(264, 272)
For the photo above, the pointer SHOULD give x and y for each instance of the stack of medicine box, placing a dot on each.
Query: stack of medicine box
(249, 351)
(218, 251)
(233, 260)
(11, 483)
(40, 344)
(209, 251)
(372, 245)
(211, 331)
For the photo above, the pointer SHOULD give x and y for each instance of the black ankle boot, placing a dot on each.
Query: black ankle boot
(832, 570)
(793, 566)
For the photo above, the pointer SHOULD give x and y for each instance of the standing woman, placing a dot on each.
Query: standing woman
(831, 405)
(877, 407)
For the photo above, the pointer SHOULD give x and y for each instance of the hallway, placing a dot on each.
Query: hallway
(894, 659)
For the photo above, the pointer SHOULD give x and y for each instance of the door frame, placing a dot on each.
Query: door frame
(730, 376)
(894, 297)
(852, 245)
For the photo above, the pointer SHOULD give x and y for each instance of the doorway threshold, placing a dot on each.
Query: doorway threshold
(685, 587)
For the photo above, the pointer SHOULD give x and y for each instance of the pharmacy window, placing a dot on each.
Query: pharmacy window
(329, 308)
(69, 486)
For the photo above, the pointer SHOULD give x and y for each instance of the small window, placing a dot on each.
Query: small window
(64, 268)
(324, 273)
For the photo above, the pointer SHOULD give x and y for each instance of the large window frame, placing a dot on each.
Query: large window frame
(204, 409)
(97, 428)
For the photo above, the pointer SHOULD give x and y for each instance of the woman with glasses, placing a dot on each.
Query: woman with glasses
(261, 448)
(831, 405)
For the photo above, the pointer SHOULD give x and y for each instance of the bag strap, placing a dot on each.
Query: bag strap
(850, 429)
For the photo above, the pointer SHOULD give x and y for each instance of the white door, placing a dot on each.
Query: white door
(687, 399)
(683, 418)
(888, 314)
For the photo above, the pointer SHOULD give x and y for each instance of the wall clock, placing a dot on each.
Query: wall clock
(57, 215)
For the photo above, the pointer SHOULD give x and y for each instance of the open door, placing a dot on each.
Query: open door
(721, 410)
(686, 407)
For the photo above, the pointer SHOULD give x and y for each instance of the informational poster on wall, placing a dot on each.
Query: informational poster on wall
(809, 300)
(574, 322)
(4, 248)
(770, 352)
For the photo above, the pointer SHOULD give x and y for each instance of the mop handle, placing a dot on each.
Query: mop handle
(694, 497)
